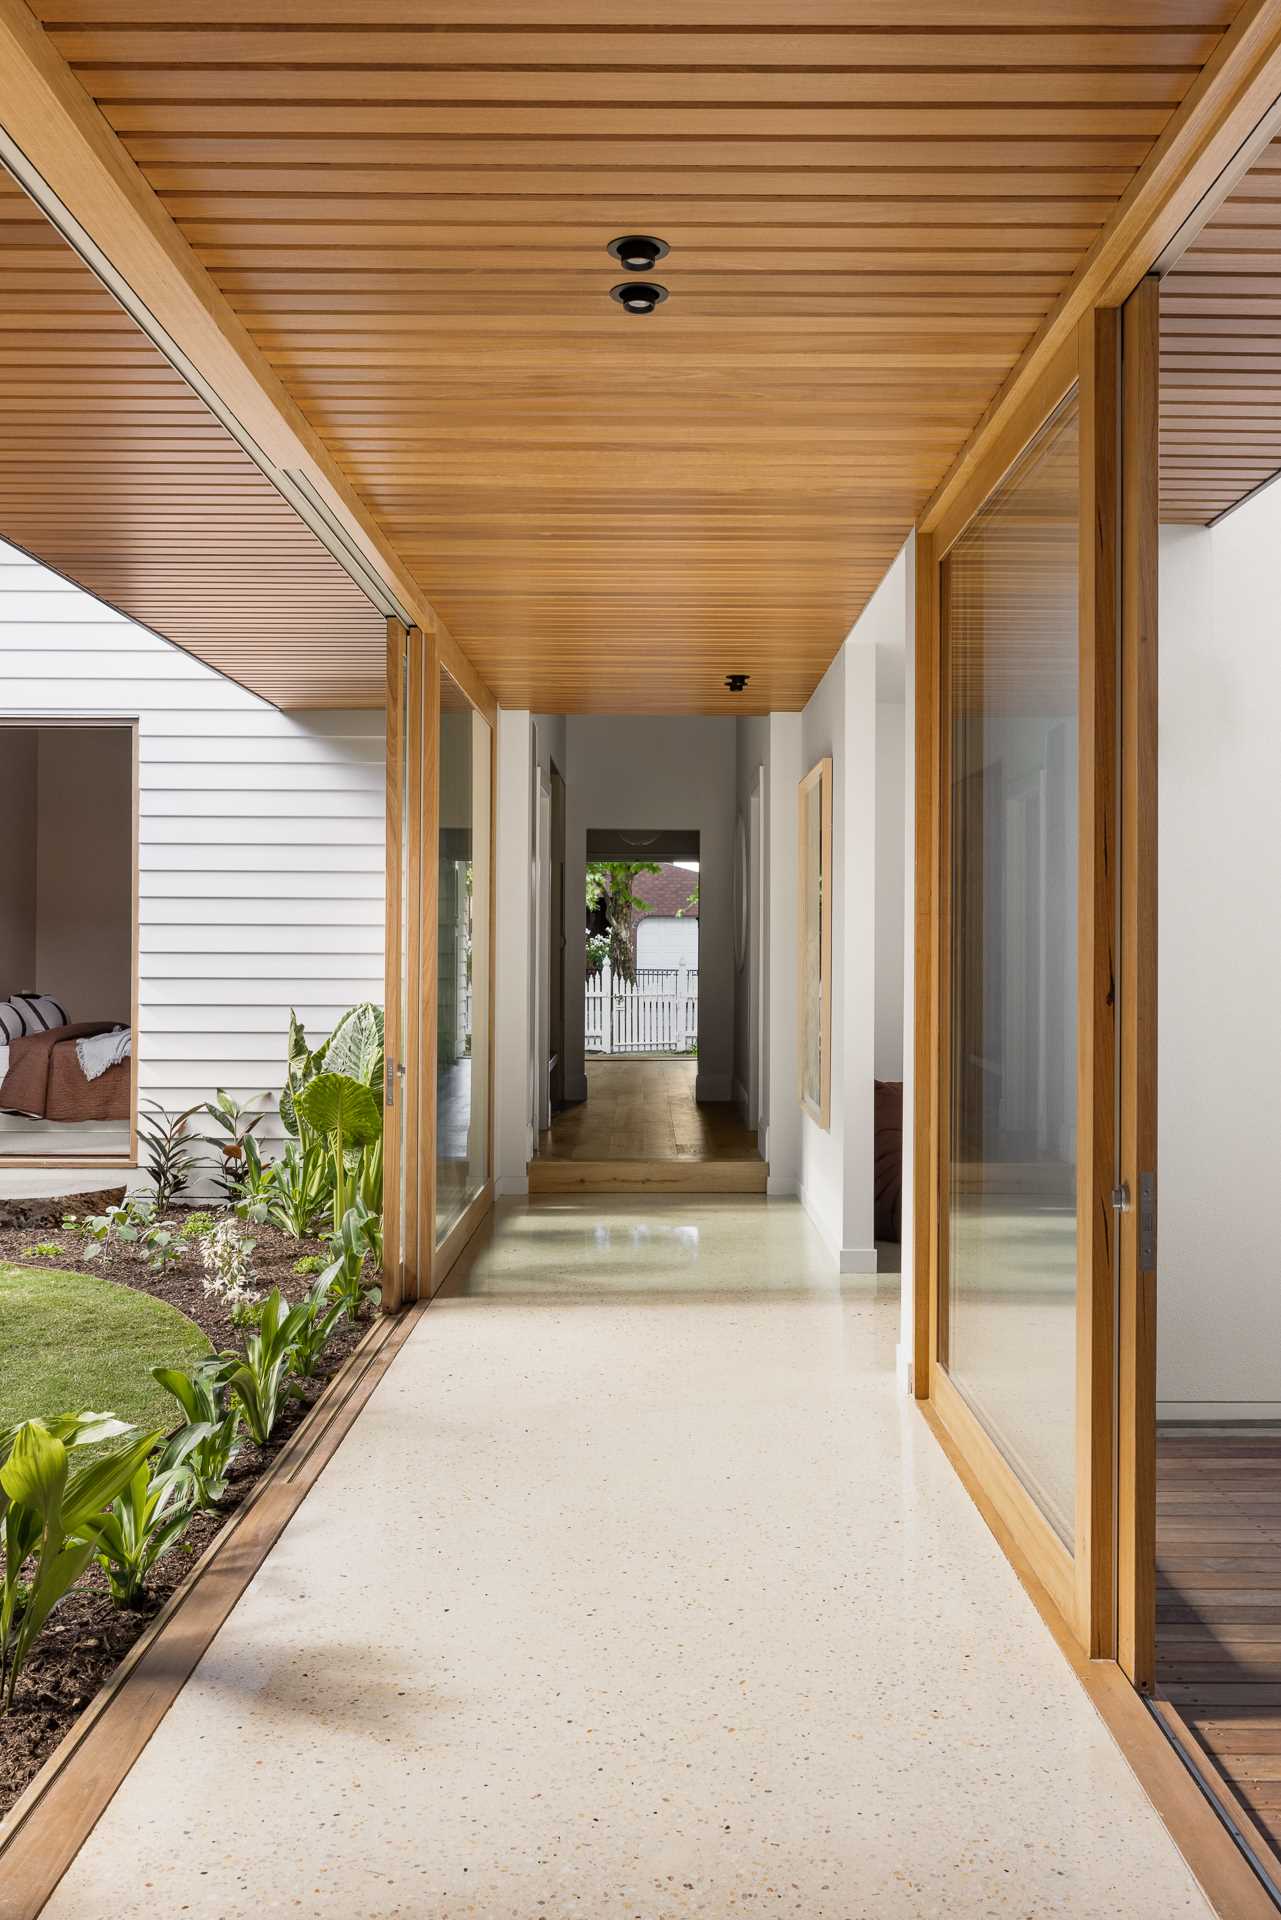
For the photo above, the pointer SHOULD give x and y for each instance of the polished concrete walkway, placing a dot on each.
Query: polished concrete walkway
(637, 1593)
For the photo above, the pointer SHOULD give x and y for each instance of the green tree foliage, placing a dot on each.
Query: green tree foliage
(613, 899)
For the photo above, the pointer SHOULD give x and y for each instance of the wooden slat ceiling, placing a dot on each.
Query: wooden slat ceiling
(116, 475)
(1221, 354)
(871, 204)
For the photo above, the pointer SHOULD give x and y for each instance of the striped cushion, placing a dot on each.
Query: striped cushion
(38, 1012)
(11, 1027)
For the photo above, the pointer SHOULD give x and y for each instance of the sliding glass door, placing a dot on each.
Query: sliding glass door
(1025, 1307)
(1010, 648)
(462, 959)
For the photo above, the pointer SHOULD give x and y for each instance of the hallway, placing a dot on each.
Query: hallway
(643, 1113)
(636, 1592)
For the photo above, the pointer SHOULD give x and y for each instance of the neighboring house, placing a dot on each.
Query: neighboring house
(666, 933)
(260, 847)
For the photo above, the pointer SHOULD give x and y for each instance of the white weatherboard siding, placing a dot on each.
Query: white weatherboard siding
(261, 840)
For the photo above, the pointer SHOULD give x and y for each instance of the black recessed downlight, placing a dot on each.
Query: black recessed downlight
(638, 252)
(737, 681)
(638, 296)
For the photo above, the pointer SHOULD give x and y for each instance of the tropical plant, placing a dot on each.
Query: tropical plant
(206, 1445)
(348, 1115)
(359, 1239)
(311, 1263)
(237, 1121)
(43, 1250)
(315, 1329)
(612, 905)
(227, 1257)
(303, 1063)
(48, 1512)
(171, 1149)
(302, 1186)
(255, 1188)
(355, 1047)
(145, 1520)
(259, 1378)
(196, 1226)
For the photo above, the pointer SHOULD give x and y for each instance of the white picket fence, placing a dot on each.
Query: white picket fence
(658, 1013)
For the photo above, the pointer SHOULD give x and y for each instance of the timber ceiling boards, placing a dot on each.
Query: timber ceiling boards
(1221, 354)
(870, 204)
(116, 475)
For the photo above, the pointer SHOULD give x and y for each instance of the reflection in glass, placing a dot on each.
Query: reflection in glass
(1010, 608)
(815, 799)
(462, 955)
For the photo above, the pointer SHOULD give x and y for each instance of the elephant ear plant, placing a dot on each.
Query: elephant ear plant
(48, 1513)
(347, 1113)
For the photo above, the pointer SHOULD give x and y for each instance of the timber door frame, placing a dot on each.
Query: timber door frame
(1081, 1582)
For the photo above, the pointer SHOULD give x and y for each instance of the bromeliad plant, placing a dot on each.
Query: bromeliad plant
(206, 1445)
(47, 1512)
(143, 1523)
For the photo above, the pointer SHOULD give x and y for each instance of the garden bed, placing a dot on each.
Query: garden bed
(88, 1635)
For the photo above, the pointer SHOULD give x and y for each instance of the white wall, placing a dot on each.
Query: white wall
(261, 839)
(1219, 1144)
(864, 735)
(636, 772)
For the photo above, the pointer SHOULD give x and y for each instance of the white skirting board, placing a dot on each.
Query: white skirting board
(1218, 1412)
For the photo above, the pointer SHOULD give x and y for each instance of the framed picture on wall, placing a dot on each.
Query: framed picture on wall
(815, 864)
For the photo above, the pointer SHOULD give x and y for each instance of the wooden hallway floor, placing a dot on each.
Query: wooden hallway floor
(641, 1127)
(1219, 1605)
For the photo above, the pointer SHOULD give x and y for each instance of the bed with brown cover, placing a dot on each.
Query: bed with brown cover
(45, 1080)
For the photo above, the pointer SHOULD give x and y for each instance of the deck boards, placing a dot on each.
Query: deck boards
(1219, 1604)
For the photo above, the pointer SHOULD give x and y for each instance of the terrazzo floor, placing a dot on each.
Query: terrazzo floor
(636, 1593)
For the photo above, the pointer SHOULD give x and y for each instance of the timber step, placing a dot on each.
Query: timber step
(551, 1174)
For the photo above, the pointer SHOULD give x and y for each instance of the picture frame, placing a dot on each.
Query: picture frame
(814, 916)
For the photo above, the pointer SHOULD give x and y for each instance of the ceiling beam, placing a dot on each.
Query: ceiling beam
(1237, 87)
(70, 160)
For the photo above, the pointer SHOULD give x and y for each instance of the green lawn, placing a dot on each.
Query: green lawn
(70, 1341)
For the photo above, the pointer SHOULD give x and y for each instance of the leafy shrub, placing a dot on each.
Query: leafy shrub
(206, 1444)
(132, 1224)
(47, 1512)
(196, 1226)
(43, 1250)
(349, 1251)
(304, 1179)
(315, 1329)
(310, 1263)
(259, 1378)
(145, 1520)
(171, 1149)
(237, 1121)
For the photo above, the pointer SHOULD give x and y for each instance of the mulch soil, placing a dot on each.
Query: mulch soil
(87, 1636)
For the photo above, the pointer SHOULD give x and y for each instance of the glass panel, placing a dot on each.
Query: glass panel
(1010, 605)
(462, 953)
(812, 909)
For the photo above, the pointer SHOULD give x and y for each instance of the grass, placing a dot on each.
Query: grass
(70, 1341)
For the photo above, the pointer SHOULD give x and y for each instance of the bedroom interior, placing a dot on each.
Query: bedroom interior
(67, 923)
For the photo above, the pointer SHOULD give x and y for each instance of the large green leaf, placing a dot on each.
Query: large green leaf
(35, 1474)
(97, 1485)
(334, 1103)
(356, 1046)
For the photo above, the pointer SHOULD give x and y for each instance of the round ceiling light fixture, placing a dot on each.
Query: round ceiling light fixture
(638, 252)
(638, 296)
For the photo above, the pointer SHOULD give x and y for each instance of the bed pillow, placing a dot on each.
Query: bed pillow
(38, 1012)
(11, 1027)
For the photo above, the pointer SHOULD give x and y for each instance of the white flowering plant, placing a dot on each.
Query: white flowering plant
(227, 1257)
